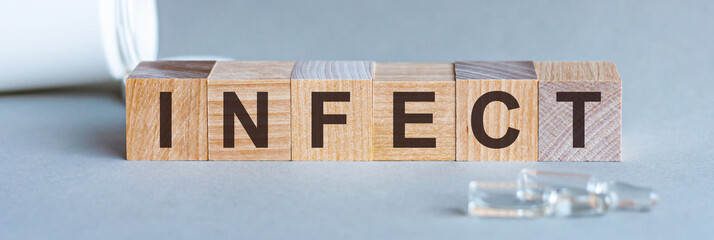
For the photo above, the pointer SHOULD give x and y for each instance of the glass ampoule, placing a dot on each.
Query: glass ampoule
(623, 196)
(504, 200)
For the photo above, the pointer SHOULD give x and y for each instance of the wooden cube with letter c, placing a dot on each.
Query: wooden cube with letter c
(166, 111)
(332, 110)
(496, 111)
(249, 111)
(414, 115)
(580, 111)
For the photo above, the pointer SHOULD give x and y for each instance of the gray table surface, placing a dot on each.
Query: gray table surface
(63, 173)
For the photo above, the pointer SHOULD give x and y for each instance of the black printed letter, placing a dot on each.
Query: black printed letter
(165, 120)
(258, 133)
(401, 119)
(477, 119)
(578, 99)
(319, 118)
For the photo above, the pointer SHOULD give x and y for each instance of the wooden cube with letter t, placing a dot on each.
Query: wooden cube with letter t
(249, 111)
(496, 111)
(580, 111)
(414, 111)
(332, 110)
(166, 111)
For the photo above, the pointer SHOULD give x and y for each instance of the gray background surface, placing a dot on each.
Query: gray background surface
(63, 173)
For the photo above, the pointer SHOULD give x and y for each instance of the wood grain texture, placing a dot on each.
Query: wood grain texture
(415, 77)
(517, 78)
(577, 72)
(342, 142)
(336, 70)
(188, 112)
(495, 70)
(252, 70)
(603, 119)
(409, 72)
(172, 70)
(246, 79)
(497, 119)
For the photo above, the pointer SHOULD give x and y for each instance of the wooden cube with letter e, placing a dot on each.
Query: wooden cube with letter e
(414, 115)
(166, 111)
(496, 111)
(249, 111)
(332, 110)
(580, 111)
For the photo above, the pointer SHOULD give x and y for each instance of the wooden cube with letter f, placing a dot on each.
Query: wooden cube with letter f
(332, 110)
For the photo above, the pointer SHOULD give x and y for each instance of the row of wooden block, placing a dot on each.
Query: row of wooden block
(363, 111)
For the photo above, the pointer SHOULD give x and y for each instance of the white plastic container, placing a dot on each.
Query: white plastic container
(63, 43)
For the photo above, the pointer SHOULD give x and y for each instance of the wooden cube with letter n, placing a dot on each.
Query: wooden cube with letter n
(496, 111)
(414, 115)
(580, 111)
(166, 111)
(249, 111)
(332, 110)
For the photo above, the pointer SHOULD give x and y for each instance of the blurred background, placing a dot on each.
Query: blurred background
(661, 48)
(63, 173)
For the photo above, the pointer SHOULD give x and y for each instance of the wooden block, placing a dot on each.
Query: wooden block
(249, 111)
(496, 111)
(424, 123)
(166, 111)
(332, 110)
(580, 111)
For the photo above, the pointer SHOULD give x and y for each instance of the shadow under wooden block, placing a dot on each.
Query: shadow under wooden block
(332, 110)
(249, 111)
(414, 111)
(580, 111)
(496, 111)
(166, 111)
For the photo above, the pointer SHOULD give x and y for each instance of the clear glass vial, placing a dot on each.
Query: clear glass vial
(504, 200)
(623, 196)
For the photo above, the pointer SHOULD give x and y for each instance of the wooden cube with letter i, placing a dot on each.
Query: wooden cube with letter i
(166, 111)
(496, 111)
(249, 111)
(414, 115)
(332, 110)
